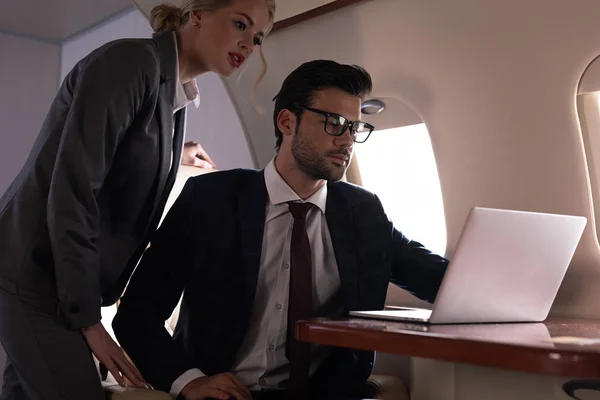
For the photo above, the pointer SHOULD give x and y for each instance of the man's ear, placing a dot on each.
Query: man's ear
(286, 122)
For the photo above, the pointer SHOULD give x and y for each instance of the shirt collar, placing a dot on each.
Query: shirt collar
(280, 192)
(184, 94)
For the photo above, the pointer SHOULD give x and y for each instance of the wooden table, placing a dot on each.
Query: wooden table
(521, 347)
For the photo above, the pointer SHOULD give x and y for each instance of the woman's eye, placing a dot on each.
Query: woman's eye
(257, 41)
(241, 25)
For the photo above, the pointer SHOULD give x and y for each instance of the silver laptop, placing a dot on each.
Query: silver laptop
(507, 267)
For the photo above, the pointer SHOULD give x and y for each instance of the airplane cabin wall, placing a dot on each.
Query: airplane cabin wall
(590, 82)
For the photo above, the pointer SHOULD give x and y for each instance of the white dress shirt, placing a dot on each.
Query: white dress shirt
(261, 363)
(184, 94)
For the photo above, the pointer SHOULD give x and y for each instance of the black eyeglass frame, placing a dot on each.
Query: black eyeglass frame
(345, 126)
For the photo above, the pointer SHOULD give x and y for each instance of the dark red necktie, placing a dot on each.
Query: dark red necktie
(300, 301)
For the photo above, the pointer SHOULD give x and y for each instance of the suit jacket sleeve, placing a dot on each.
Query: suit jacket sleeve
(415, 268)
(153, 292)
(107, 91)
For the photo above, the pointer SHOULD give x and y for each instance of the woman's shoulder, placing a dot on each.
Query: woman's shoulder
(117, 63)
(125, 58)
(140, 52)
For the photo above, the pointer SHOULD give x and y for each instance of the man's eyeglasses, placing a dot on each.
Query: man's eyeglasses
(336, 125)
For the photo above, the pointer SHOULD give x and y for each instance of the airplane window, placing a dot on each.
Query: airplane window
(398, 165)
(588, 108)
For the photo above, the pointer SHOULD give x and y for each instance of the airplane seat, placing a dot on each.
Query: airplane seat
(385, 387)
(382, 387)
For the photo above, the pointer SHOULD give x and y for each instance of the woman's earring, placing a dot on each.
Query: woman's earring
(196, 24)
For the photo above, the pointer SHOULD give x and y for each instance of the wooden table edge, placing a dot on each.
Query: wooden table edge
(565, 362)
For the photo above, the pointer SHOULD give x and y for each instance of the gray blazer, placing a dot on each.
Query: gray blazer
(78, 216)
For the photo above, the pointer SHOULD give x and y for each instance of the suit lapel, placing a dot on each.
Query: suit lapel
(178, 139)
(341, 228)
(165, 116)
(252, 203)
(169, 155)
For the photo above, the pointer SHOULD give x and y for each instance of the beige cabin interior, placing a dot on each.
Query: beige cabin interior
(508, 92)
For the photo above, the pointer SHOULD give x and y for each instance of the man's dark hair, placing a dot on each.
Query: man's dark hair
(298, 89)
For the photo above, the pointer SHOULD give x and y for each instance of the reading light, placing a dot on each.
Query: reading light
(373, 106)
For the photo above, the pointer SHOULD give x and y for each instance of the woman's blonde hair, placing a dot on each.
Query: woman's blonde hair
(165, 17)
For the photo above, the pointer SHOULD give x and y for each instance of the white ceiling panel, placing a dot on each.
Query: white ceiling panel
(55, 20)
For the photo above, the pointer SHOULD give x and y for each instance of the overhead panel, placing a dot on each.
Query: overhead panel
(56, 20)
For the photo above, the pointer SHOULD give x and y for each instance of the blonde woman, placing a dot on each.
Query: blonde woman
(76, 219)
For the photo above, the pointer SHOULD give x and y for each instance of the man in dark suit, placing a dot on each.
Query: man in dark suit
(285, 243)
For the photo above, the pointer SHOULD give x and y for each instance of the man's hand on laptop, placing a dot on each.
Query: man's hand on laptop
(223, 386)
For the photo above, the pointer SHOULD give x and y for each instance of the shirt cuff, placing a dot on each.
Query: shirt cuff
(183, 380)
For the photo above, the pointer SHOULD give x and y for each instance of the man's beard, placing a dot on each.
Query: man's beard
(314, 164)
